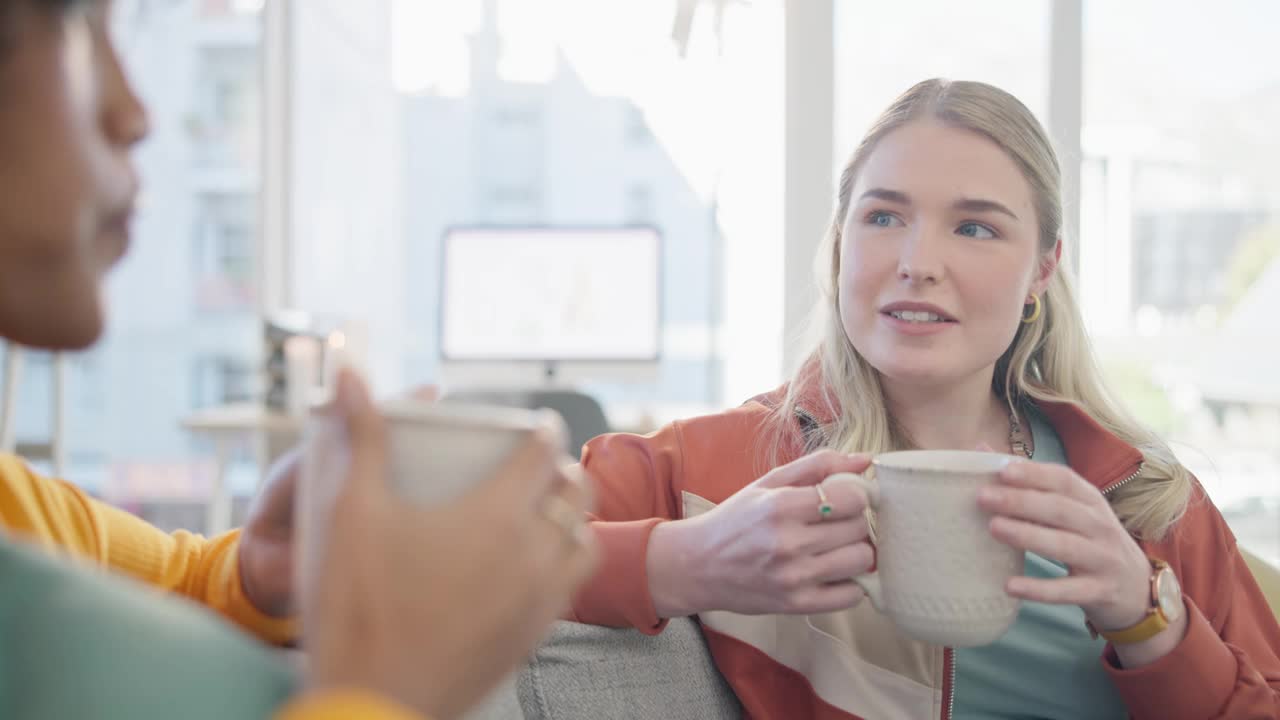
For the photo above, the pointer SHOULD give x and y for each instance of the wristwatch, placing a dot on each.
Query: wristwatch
(1166, 607)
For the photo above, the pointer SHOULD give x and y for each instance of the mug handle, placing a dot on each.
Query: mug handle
(868, 581)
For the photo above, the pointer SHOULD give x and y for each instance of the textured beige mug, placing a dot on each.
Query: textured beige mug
(435, 453)
(940, 575)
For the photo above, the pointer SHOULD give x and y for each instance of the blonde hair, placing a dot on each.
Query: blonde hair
(1049, 360)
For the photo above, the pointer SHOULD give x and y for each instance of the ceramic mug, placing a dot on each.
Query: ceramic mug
(436, 451)
(940, 575)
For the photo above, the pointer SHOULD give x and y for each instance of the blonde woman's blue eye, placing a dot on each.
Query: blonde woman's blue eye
(881, 219)
(975, 230)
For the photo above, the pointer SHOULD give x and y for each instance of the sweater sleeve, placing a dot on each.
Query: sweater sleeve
(635, 479)
(343, 705)
(60, 516)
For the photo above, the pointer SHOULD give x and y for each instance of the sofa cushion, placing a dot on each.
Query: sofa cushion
(587, 672)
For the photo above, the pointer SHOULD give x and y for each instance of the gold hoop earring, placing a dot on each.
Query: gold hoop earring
(1035, 312)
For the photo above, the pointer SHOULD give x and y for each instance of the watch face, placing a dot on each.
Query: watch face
(1169, 595)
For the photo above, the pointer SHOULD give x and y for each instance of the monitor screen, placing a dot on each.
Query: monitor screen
(551, 294)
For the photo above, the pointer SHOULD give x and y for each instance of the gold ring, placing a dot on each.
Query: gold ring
(825, 508)
(563, 515)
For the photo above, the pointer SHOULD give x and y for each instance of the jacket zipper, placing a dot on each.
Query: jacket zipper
(949, 654)
(1116, 486)
(949, 662)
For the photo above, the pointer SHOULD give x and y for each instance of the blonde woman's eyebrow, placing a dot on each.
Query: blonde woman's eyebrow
(981, 205)
(893, 196)
(965, 204)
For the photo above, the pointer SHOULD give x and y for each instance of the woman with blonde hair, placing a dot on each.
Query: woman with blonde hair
(949, 324)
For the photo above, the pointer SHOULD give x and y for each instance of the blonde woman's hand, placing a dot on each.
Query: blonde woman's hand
(433, 606)
(768, 549)
(1050, 510)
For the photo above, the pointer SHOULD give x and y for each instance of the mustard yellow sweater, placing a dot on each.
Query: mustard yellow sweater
(61, 518)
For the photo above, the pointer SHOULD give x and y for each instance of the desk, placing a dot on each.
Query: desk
(272, 432)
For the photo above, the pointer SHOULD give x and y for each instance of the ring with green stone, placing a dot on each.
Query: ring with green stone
(825, 508)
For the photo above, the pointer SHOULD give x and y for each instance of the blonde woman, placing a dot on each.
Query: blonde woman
(949, 323)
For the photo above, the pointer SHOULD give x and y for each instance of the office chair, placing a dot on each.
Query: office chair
(582, 413)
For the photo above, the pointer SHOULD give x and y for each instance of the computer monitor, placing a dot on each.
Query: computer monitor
(547, 304)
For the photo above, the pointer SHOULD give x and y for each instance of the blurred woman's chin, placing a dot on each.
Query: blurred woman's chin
(59, 331)
(113, 245)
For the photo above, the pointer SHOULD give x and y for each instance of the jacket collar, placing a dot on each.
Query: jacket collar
(1093, 452)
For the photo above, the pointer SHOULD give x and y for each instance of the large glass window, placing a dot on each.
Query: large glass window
(393, 122)
(1180, 237)
(572, 113)
(884, 48)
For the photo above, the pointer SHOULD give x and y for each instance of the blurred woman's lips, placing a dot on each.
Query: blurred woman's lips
(114, 234)
(123, 201)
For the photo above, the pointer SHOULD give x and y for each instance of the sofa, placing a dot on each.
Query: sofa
(586, 672)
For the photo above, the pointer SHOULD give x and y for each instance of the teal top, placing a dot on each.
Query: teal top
(80, 643)
(1046, 665)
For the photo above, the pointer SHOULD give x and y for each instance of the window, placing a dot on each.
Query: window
(504, 197)
(407, 117)
(222, 8)
(361, 178)
(34, 417)
(884, 48)
(223, 253)
(513, 118)
(1180, 249)
(223, 118)
(220, 380)
(1182, 258)
(637, 131)
(626, 131)
(639, 204)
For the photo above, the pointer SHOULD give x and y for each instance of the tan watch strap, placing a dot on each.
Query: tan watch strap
(1148, 627)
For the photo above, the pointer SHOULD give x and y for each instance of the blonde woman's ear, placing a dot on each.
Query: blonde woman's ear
(1048, 266)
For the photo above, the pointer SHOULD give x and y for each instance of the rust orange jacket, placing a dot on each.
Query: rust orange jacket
(855, 664)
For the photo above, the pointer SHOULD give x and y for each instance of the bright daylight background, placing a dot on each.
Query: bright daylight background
(403, 118)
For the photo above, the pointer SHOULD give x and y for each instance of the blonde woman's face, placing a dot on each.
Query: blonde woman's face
(938, 255)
